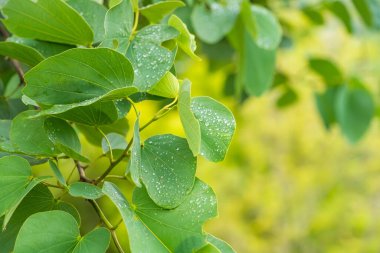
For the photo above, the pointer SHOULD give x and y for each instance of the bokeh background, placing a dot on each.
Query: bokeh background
(287, 185)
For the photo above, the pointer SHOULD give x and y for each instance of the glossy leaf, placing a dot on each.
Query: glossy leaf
(212, 22)
(189, 122)
(157, 11)
(58, 231)
(167, 87)
(153, 229)
(167, 169)
(118, 26)
(354, 110)
(64, 137)
(85, 190)
(117, 142)
(79, 75)
(28, 135)
(135, 164)
(150, 60)
(19, 52)
(94, 14)
(186, 40)
(217, 125)
(49, 20)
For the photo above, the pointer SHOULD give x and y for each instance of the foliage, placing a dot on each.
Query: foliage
(102, 62)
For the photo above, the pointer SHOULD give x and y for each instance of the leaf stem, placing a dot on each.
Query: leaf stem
(161, 113)
(53, 185)
(108, 143)
(108, 224)
(136, 22)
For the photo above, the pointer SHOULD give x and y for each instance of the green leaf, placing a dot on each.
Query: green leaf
(167, 87)
(117, 142)
(263, 26)
(217, 126)
(364, 9)
(328, 70)
(19, 52)
(189, 122)
(134, 165)
(64, 138)
(167, 169)
(28, 135)
(94, 13)
(39, 199)
(58, 231)
(79, 76)
(221, 245)
(49, 20)
(185, 40)
(287, 98)
(67, 207)
(326, 105)
(118, 26)
(257, 67)
(46, 49)
(15, 179)
(150, 60)
(212, 22)
(153, 229)
(314, 15)
(354, 110)
(85, 190)
(157, 11)
(57, 172)
(340, 10)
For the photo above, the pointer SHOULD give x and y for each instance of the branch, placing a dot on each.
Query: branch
(82, 174)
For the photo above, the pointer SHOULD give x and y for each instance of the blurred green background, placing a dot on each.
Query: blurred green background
(286, 185)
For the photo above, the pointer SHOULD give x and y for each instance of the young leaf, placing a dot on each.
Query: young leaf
(213, 21)
(85, 190)
(167, 169)
(19, 52)
(64, 138)
(94, 13)
(29, 137)
(217, 125)
(79, 75)
(49, 20)
(185, 40)
(150, 60)
(118, 26)
(189, 122)
(153, 229)
(57, 172)
(167, 87)
(354, 110)
(157, 11)
(58, 231)
(135, 161)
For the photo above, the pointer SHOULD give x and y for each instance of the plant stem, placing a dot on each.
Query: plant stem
(82, 174)
(108, 143)
(136, 22)
(161, 113)
(108, 224)
(116, 241)
(53, 186)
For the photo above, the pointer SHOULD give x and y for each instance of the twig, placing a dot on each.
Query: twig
(82, 173)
